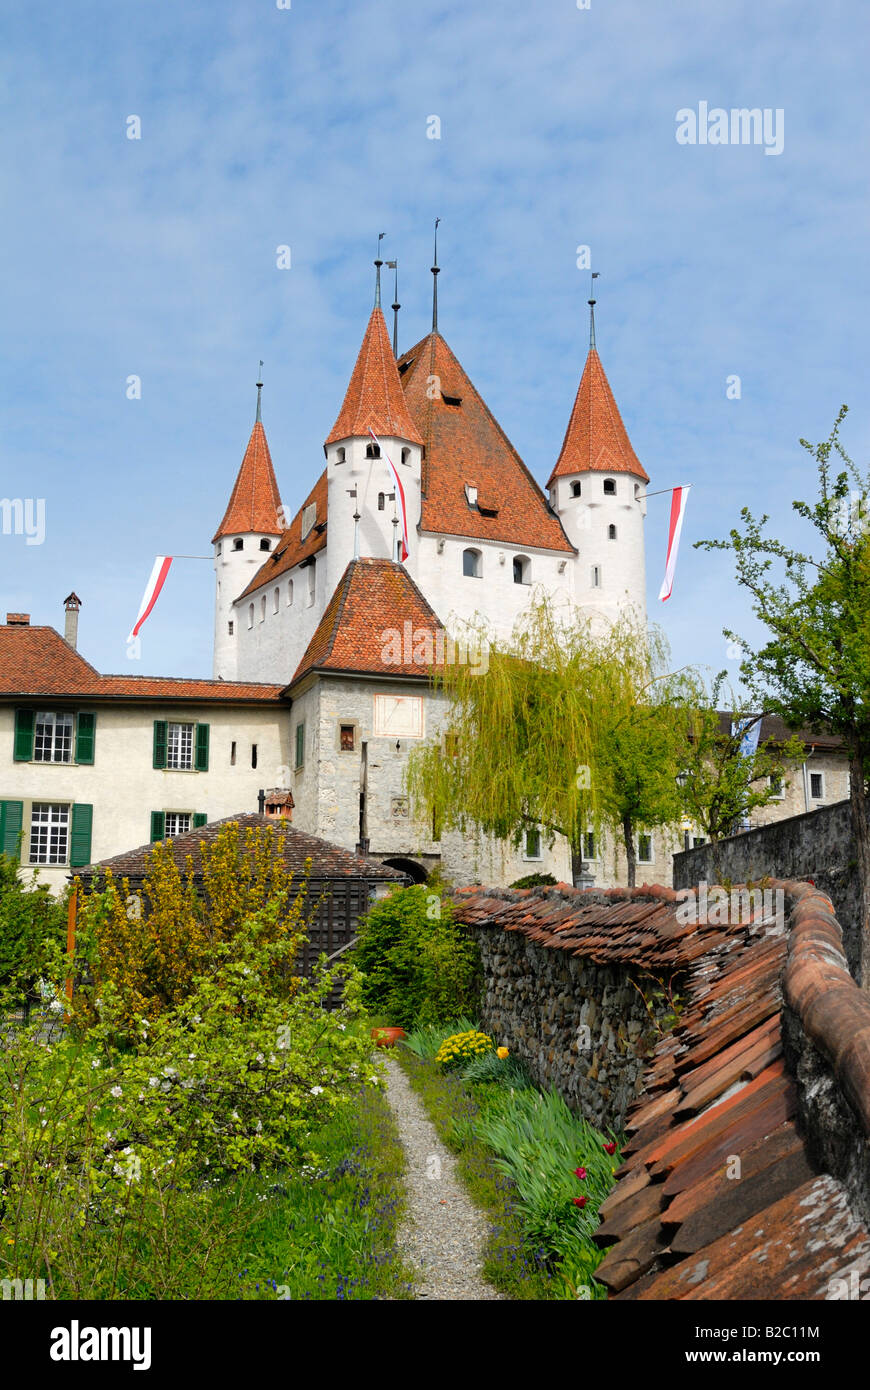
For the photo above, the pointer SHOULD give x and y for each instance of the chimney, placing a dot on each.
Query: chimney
(18, 620)
(71, 605)
(278, 804)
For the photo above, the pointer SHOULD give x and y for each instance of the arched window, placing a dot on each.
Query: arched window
(611, 533)
(340, 454)
(380, 501)
(238, 543)
(472, 564)
(263, 609)
(575, 489)
(276, 599)
(373, 451)
(596, 576)
(250, 615)
(406, 455)
(289, 591)
(609, 487)
(522, 569)
(265, 544)
(637, 492)
(220, 546)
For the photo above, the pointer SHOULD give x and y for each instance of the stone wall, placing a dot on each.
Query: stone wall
(817, 845)
(579, 1027)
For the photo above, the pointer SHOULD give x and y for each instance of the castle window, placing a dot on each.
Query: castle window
(233, 753)
(609, 487)
(263, 609)
(253, 755)
(472, 564)
(817, 786)
(300, 745)
(220, 546)
(238, 543)
(346, 737)
(637, 492)
(575, 489)
(611, 533)
(373, 451)
(265, 544)
(311, 582)
(380, 501)
(532, 844)
(644, 849)
(596, 576)
(590, 849)
(229, 629)
(406, 456)
(522, 569)
(340, 454)
(250, 615)
(289, 591)
(276, 599)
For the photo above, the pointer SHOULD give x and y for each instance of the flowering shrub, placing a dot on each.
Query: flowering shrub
(460, 1048)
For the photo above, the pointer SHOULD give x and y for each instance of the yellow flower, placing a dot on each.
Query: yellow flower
(502, 1052)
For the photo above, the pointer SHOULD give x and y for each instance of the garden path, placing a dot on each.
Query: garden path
(442, 1234)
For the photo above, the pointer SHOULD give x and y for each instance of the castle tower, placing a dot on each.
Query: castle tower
(598, 489)
(251, 527)
(359, 479)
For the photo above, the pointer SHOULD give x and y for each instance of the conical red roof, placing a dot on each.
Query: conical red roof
(596, 440)
(374, 399)
(254, 503)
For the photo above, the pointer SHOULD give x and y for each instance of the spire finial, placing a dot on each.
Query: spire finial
(259, 391)
(378, 264)
(592, 302)
(396, 306)
(435, 270)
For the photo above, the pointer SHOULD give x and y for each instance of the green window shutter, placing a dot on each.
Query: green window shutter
(24, 721)
(80, 835)
(86, 733)
(300, 744)
(159, 742)
(199, 818)
(158, 825)
(201, 758)
(11, 816)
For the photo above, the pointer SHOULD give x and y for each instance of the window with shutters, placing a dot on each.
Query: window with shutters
(52, 739)
(176, 823)
(49, 832)
(179, 747)
(11, 820)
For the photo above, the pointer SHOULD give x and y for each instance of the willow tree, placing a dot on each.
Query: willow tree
(814, 668)
(573, 726)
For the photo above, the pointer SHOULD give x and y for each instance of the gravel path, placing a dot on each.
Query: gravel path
(442, 1233)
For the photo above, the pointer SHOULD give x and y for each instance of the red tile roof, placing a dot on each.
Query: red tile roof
(465, 444)
(374, 599)
(374, 399)
(291, 549)
(716, 1086)
(36, 661)
(254, 502)
(596, 439)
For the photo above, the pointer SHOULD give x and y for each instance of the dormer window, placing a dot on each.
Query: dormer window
(309, 516)
(575, 489)
(265, 544)
(609, 487)
(373, 451)
(471, 494)
(340, 454)
(238, 543)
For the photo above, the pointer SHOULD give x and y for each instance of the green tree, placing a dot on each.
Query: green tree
(573, 726)
(814, 667)
(32, 932)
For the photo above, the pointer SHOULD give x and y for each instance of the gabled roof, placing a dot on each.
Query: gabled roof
(596, 440)
(374, 599)
(327, 860)
(254, 501)
(374, 399)
(292, 549)
(37, 661)
(464, 444)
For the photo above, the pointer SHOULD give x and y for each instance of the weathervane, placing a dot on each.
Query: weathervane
(435, 270)
(592, 302)
(378, 264)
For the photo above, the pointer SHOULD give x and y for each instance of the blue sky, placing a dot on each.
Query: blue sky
(307, 127)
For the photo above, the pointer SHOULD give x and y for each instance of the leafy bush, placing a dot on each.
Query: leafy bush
(534, 881)
(462, 1047)
(419, 966)
(32, 933)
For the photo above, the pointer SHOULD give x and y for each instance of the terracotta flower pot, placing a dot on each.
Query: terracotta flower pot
(387, 1037)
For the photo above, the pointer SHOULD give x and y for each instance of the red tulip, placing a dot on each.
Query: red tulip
(610, 1148)
(579, 1201)
(579, 1172)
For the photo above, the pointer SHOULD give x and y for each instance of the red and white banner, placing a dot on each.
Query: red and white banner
(400, 498)
(152, 591)
(679, 498)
